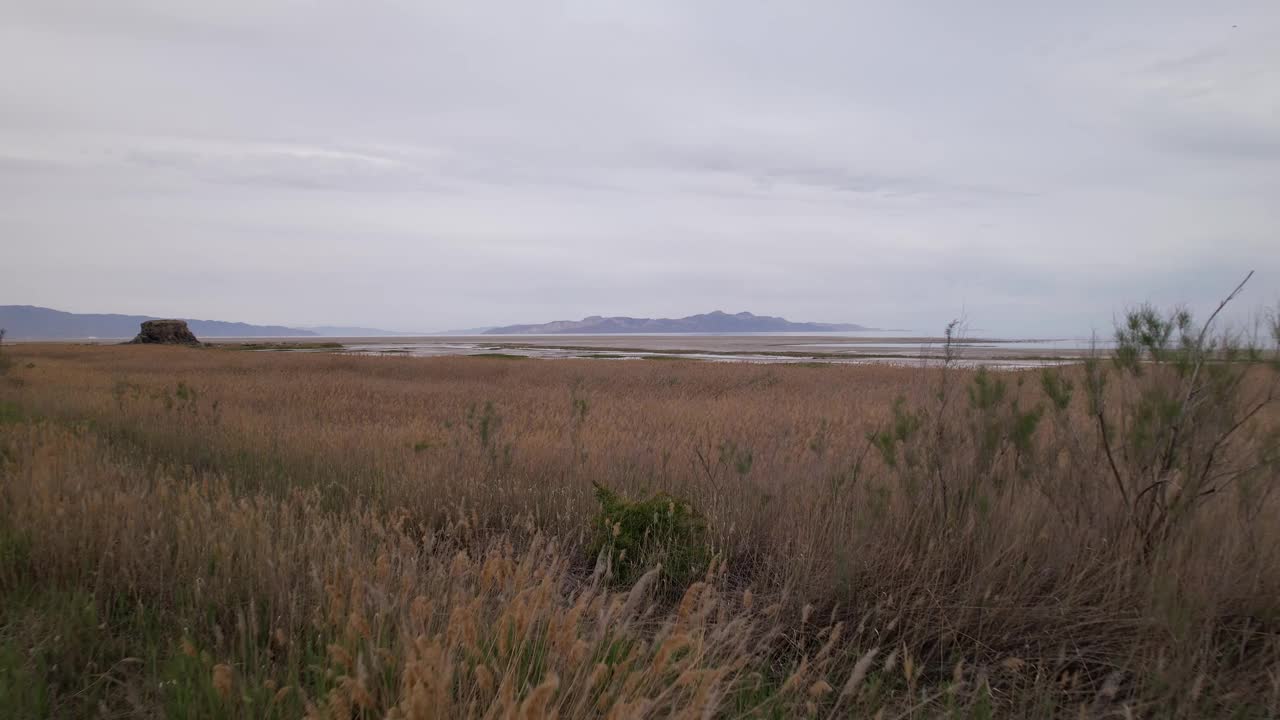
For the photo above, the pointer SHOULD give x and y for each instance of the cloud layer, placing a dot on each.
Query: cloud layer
(434, 165)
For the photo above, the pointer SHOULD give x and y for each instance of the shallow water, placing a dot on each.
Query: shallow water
(909, 354)
(1073, 345)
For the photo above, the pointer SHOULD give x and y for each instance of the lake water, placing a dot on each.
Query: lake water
(777, 348)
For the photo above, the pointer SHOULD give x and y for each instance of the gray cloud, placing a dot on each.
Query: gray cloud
(288, 167)
(429, 165)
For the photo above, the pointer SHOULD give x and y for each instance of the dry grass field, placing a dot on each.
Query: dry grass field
(222, 533)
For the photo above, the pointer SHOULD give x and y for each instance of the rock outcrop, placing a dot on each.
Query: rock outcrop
(165, 332)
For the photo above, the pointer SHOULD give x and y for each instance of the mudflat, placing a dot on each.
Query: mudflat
(758, 348)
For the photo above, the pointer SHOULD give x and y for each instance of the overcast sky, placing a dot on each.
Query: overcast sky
(422, 166)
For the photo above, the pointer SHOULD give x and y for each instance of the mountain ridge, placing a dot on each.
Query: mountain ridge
(32, 322)
(712, 322)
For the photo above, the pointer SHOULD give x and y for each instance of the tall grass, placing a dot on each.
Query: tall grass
(218, 533)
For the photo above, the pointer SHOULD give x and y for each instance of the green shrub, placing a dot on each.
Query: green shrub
(639, 534)
(1173, 417)
(10, 413)
(1181, 428)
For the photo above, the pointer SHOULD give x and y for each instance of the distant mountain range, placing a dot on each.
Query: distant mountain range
(713, 322)
(28, 322)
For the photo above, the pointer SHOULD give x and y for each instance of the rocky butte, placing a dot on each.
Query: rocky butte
(165, 332)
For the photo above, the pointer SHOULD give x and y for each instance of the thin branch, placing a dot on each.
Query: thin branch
(1217, 444)
(1176, 430)
(706, 467)
(1115, 471)
(1204, 331)
(1149, 488)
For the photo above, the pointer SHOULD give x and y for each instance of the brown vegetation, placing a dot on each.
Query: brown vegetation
(209, 533)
